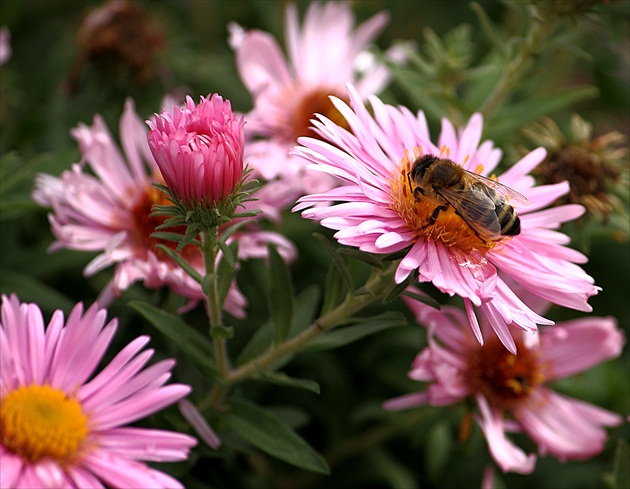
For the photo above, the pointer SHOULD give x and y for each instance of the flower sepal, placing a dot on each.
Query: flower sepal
(198, 216)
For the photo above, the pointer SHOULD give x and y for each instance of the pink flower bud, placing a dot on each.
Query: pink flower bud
(199, 150)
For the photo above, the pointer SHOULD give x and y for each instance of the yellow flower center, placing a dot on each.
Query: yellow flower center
(502, 377)
(420, 214)
(38, 422)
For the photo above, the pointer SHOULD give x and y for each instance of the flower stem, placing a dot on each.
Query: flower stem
(378, 284)
(517, 67)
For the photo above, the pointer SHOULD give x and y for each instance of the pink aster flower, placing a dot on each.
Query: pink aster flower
(378, 212)
(63, 426)
(103, 204)
(199, 150)
(512, 391)
(324, 53)
(5, 45)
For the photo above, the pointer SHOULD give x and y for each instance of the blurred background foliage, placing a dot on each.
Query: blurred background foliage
(59, 75)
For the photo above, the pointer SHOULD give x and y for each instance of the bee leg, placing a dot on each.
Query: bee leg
(418, 193)
(434, 215)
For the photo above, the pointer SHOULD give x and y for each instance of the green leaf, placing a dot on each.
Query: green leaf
(395, 291)
(280, 295)
(225, 272)
(220, 332)
(334, 290)
(176, 237)
(196, 347)
(30, 289)
(303, 314)
(362, 256)
(363, 327)
(280, 378)
(337, 259)
(620, 476)
(272, 436)
(390, 469)
(440, 441)
(425, 299)
(228, 256)
(511, 117)
(173, 255)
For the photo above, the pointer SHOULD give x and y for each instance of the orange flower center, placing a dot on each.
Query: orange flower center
(314, 102)
(38, 421)
(428, 223)
(503, 378)
(145, 224)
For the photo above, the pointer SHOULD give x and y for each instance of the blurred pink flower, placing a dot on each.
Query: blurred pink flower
(61, 428)
(108, 211)
(199, 149)
(511, 391)
(5, 45)
(322, 54)
(376, 212)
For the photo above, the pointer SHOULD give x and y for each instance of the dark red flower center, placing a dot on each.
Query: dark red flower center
(503, 378)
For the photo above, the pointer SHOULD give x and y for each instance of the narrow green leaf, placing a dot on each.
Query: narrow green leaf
(303, 314)
(363, 327)
(511, 117)
(230, 230)
(225, 272)
(362, 256)
(337, 259)
(425, 299)
(390, 469)
(29, 289)
(621, 467)
(220, 332)
(196, 347)
(272, 436)
(173, 255)
(228, 256)
(280, 295)
(280, 378)
(395, 291)
(334, 291)
(176, 237)
(440, 441)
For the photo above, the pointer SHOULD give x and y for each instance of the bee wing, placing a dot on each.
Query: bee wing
(476, 208)
(504, 191)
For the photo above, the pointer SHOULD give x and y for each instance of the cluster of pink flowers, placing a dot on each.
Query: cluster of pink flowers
(377, 211)
(317, 145)
(110, 211)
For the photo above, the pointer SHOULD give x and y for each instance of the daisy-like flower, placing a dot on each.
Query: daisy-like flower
(511, 391)
(5, 45)
(378, 211)
(104, 204)
(322, 55)
(199, 150)
(62, 426)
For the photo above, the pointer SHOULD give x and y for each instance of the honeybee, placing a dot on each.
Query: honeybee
(479, 201)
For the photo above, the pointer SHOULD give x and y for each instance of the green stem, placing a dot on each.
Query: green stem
(210, 249)
(516, 68)
(379, 283)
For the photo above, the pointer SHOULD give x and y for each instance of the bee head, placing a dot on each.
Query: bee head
(420, 166)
